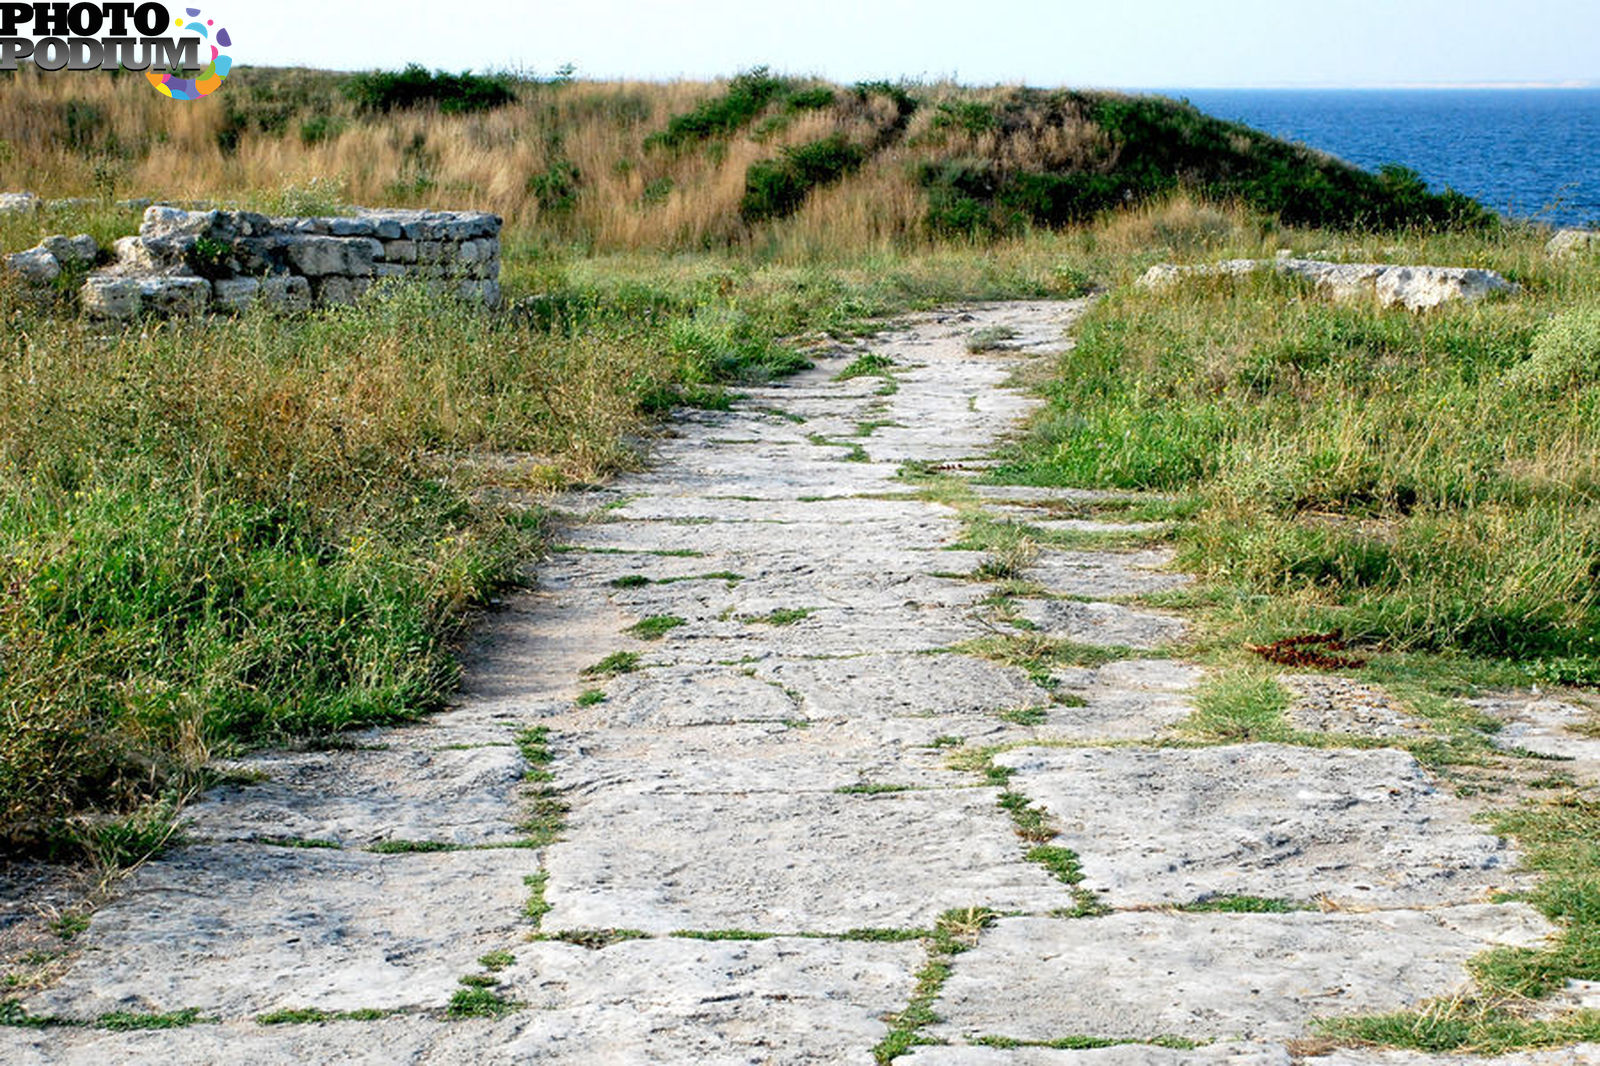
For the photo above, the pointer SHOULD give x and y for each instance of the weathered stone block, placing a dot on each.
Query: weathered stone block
(235, 294)
(391, 270)
(103, 296)
(1574, 242)
(316, 256)
(286, 292)
(133, 256)
(174, 295)
(18, 203)
(334, 289)
(400, 251)
(72, 251)
(36, 265)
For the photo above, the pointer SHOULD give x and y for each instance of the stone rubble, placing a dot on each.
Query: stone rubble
(1416, 288)
(765, 810)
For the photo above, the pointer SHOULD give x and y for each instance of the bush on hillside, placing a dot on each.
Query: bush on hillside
(388, 90)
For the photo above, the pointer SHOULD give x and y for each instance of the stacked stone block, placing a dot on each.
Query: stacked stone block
(186, 261)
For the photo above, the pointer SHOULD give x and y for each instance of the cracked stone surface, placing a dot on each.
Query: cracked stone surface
(1357, 828)
(1218, 976)
(775, 775)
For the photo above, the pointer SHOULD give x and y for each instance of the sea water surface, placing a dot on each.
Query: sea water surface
(1527, 153)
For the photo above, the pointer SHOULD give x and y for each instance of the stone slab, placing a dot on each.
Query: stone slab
(788, 863)
(1172, 826)
(1101, 623)
(1123, 1055)
(1260, 977)
(884, 686)
(235, 930)
(360, 797)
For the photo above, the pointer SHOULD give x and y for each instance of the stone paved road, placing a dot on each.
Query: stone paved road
(777, 800)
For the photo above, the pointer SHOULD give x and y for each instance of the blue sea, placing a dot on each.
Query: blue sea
(1527, 153)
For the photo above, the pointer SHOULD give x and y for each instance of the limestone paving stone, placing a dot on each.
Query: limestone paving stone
(1261, 977)
(750, 757)
(1101, 623)
(357, 797)
(788, 862)
(883, 686)
(780, 1000)
(689, 696)
(1552, 727)
(1360, 828)
(236, 930)
(1105, 574)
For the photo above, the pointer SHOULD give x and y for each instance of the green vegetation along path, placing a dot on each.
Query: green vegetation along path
(807, 748)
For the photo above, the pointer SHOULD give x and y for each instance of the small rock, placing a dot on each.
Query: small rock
(1573, 242)
(133, 257)
(72, 251)
(18, 203)
(36, 265)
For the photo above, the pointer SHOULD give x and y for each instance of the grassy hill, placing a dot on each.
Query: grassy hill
(754, 160)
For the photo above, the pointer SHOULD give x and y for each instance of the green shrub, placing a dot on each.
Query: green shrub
(747, 95)
(386, 90)
(775, 188)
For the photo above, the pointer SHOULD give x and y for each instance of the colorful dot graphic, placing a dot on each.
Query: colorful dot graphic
(208, 80)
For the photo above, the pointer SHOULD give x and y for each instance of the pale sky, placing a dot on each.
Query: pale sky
(1090, 43)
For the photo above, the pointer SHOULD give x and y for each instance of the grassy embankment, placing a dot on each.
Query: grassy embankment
(218, 533)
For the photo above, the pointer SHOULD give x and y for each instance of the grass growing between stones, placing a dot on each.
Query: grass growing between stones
(783, 616)
(955, 932)
(656, 626)
(1559, 836)
(313, 1016)
(1088, 1043)
(1040, 655)
(618, 662)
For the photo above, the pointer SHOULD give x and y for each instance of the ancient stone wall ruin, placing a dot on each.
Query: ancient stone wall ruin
(186, 262)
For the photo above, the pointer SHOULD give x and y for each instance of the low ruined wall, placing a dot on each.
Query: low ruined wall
(189, 261)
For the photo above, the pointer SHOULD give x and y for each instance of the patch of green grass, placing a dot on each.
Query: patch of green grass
(883, 936)
(1088, 1043)
(947, 740)
(495, 961)
(596, 939)
(1031, 823)
(313, 1016)
(714, 575)
(656, 626)
(590, 697)
(955, 932)
(629, 581)
(618, 662)
(783, 616)
(1062, 863)
(868, 365)
(872, 789)
(1465, 1028)
(721, 934)
(410, 847)
(1040, 655)
(1240, 705)
(1229, 904)
(1029, 716)
(473, 1001)
(536, 908)
(68, 926)
(129, 1021)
